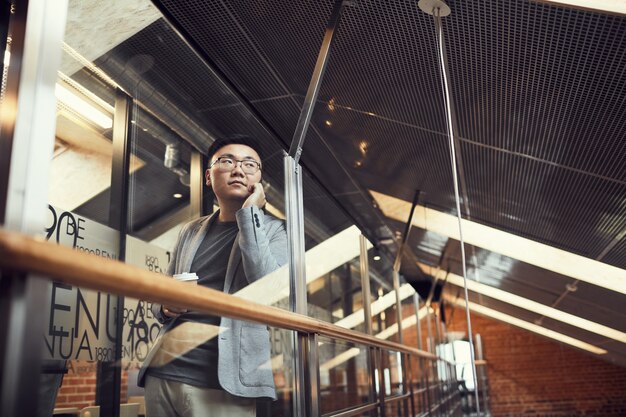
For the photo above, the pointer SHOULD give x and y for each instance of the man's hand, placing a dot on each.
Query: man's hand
(172, 312)
(257, 196)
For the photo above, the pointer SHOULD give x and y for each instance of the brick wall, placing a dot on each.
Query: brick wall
(79, 385)
(530, 375)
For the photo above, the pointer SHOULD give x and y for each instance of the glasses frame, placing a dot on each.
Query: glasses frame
(236, 161)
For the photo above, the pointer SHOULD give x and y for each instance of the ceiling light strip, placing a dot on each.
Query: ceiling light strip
(507, 244)
(525, 303)
(609, 6)
(485, 311)
(82, 107)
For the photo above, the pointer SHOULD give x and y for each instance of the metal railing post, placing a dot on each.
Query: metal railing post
(425, 385)
(367, 312)
(295, 216)
(297, 277)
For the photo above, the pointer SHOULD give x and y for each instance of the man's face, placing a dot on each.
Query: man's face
(233, 185)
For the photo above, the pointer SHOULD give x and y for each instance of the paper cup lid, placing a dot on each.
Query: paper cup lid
(186, 276)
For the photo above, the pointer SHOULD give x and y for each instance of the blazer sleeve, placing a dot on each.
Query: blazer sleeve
(262, 241)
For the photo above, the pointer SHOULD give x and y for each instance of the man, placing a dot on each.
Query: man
(197, 368)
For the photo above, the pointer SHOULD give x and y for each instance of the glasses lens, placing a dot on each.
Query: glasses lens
(226, 164)
(249, 167)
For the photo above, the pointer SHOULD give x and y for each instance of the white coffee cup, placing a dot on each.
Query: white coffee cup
(187, 277)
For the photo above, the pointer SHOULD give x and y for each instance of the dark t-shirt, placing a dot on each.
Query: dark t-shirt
(198, 366)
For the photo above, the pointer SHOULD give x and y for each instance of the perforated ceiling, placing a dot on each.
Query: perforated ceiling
(539, 92)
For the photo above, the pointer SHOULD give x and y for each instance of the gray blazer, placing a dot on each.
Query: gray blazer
(243, 348)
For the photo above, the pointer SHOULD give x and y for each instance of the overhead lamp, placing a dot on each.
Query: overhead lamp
(7, 57)
(486, 311)
(610, 6)
(525, 303)
(507, 244)
(82, 107)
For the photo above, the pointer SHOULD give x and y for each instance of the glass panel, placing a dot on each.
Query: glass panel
(162, 136)
(336, 296)
(158, 208)
(392, 373)
(332, 260)
(397, 408)
(344, 375)
(80, 337)
(409, 318)
(79, 383)
(384, 318)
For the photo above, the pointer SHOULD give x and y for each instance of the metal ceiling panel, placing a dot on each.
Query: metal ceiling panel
(384, 62)
(544, 81)
(567, 209)
(617, 254)
(233, 35)
(596, 304)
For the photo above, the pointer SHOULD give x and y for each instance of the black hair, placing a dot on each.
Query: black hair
(234, 140)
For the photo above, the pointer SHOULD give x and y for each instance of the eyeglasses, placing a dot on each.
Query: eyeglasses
(227, 164)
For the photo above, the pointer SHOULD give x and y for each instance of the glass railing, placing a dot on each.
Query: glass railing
(128, 170)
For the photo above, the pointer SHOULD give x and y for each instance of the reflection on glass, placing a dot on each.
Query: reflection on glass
(409, 320)
(397, 408)
(158, 207)
(336, 296)
(383, 297)
(79, 384)
(344, 375)
(282, 367)
(393, 375)
(419, 383)
(384, 323)
(81, 330)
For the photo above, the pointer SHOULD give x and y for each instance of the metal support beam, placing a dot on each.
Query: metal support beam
(27, 126)
(423, 372)
(382, 395)
(109, 380)
(407, 230)
(365, 284)
(297, 277)
(314, 376)
(451, 121)
(316, 81)
(430, 347)
(367, 312)
(295, 235)
(398, 263)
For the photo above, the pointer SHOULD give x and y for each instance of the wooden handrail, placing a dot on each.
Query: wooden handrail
(60, 263)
